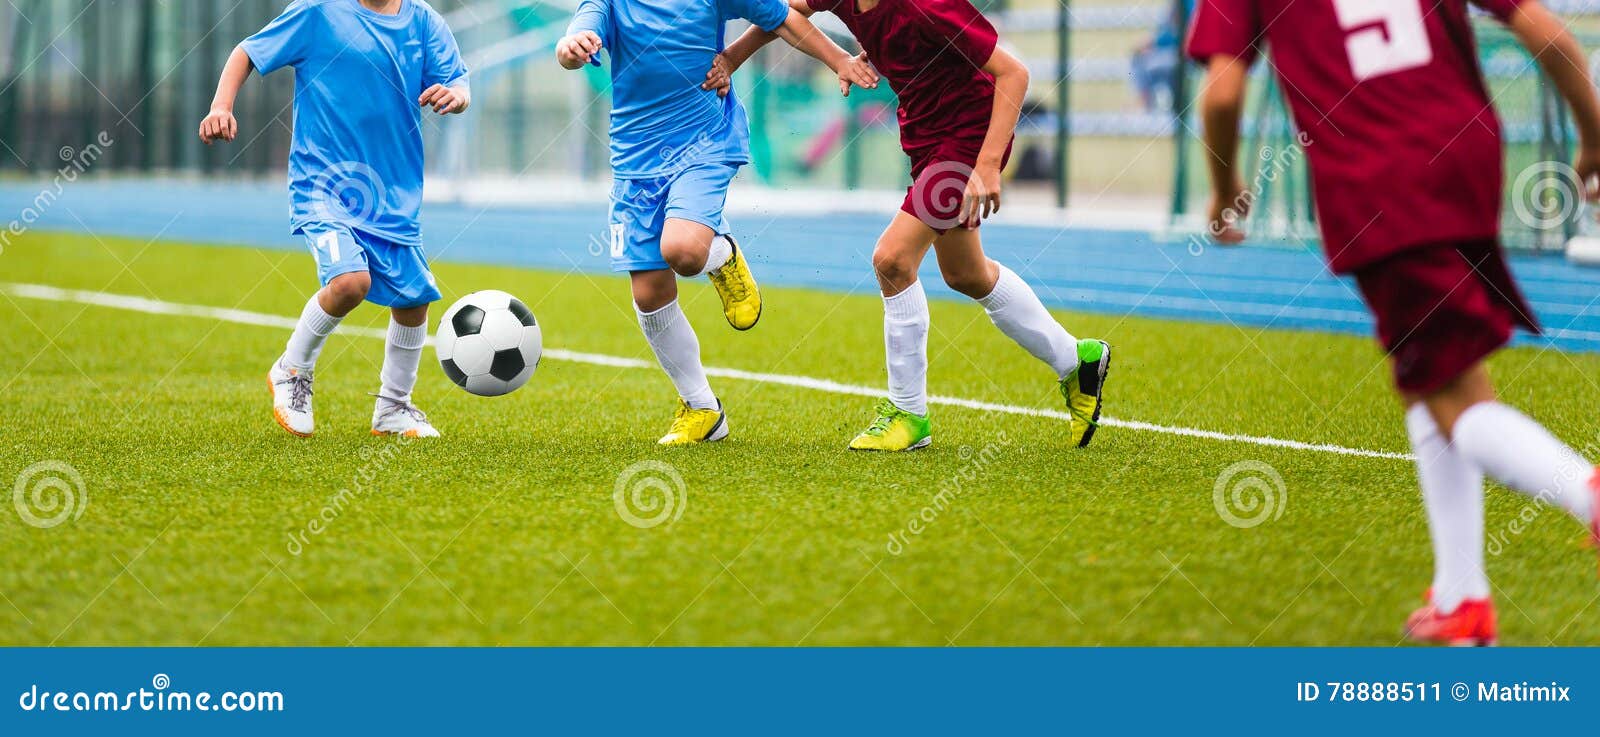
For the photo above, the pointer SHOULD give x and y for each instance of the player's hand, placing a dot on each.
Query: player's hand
(1228, 209)
(218, 125)
(578, 49)
(982, 198)
(719, 77)
(859, 72)
(444, 100)
(1588, 168)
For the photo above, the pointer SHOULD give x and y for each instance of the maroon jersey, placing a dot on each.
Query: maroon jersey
(932, 53)
(1405, 146)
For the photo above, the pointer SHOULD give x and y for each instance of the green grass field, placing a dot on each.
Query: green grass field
(506, 532)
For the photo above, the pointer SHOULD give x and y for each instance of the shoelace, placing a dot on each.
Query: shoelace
(299, 392)
(405, 408)
(880, 425)
(734, 287)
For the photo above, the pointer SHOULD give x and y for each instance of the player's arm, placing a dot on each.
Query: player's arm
(750, 42)
(982, 197)
(798, 31)
(219, 124)
(1221, 106)
(1562, 59)
(448, 90)
(582, 43)
(451, 99)
(578, 49)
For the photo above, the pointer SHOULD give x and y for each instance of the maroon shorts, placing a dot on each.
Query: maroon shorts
(1443, 308)
(939, 178)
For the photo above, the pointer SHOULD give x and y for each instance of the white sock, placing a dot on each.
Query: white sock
(402, 353)
(905, 340)
(721, 252)
(1520, 453)
(1017, 311)
(1452, 492)
(310, 334)
(677, 349)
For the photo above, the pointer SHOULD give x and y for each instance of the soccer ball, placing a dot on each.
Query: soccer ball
(488, 343)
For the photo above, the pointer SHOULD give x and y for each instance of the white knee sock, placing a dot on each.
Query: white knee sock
(305, 343)
(402, 353)
(1520, 453)
(677, 349)
(1452, 492)
(905, 340)
(1017, 311)
(721, 252)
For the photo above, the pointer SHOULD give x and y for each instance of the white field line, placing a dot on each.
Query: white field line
(243, 317)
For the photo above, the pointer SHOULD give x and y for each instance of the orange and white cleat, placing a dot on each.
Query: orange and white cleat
(1472, 624)
(400, 418)
(291, 399)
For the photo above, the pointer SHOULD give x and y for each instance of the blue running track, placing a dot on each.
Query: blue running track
(1104, 271)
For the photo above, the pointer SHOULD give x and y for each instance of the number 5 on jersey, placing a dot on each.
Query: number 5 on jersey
(1385, 36)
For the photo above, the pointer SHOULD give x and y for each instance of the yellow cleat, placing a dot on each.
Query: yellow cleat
(895, 430)
(1084, 390)
(741, 297)
(691, 426)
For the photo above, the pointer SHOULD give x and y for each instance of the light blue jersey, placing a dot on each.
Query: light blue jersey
(356, 159)
(661, 121)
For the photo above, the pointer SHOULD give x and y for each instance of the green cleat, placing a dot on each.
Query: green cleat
(895, 430)
(1082, 389)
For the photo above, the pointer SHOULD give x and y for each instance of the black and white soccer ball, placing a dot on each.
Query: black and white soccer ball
(488, 343)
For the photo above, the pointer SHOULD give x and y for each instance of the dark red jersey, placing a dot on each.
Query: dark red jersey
(1405, 147)
(932, 53)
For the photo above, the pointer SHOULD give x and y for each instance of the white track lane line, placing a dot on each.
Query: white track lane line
(243, 317)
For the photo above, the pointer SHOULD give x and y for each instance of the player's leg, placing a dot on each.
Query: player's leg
(1465, 433)
(699, 417)
(1513, 449)
(1080, 366)
(1442, 310)
(638, 222)
(695, 241)
(342, 269)
(902, 421)
(1458, 608)
(401, 281)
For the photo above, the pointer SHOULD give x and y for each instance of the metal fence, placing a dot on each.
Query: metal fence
(143, 71)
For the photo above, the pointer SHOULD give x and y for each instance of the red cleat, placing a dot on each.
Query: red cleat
(1594, 508)
(1471, 625)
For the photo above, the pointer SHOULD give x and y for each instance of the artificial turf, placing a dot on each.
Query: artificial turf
(196, 517)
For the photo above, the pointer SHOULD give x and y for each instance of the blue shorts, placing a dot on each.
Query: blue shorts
(640, 209)
(400, 274)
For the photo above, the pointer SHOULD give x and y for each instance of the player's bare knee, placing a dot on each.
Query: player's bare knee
(652, 292)
(894, 270)
(684, 254)
(974, 283)
(348, 290)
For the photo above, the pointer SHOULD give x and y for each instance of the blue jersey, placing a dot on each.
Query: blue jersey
(356, 159)
(660, 50)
